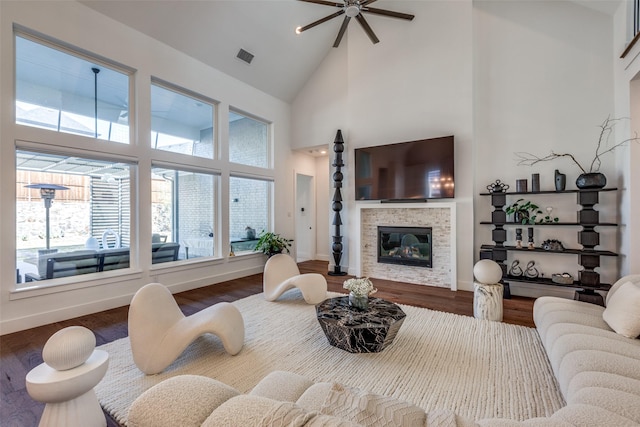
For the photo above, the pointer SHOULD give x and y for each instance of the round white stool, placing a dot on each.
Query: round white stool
(487, 292)
(65, 381)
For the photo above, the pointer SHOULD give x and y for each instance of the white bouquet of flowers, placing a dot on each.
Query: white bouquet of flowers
(360, 286)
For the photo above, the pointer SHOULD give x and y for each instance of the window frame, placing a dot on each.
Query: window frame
(67, 48)
(269, 149)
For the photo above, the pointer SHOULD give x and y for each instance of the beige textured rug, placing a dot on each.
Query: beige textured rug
(438, 360)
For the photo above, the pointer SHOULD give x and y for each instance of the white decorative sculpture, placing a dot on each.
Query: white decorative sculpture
(487, 291)
(281, 273)
(65, 381)
(159, 332)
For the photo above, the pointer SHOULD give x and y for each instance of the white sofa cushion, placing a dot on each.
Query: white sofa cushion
(595, 361)
(184, 400)
(619, 402)
(623, 310)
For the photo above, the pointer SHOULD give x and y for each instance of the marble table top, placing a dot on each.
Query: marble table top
(359, 331)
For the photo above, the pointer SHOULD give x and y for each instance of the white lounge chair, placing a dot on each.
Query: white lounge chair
(281, 273)
(159, 332)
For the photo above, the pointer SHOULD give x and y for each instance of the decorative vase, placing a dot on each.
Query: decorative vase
(591, 180)
(360, 302)
(535, 182)
(520, 216)
(561, 180)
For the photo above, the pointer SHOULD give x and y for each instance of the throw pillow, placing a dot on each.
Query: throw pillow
(364, 408)
(623, 310)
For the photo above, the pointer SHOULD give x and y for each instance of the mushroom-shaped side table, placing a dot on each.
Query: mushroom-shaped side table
(487, 291)
(72, 368)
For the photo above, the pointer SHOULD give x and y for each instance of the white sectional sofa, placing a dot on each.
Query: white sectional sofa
(598, 371)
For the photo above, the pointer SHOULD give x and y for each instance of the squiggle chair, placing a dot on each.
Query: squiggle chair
(159, 332)
(281, 273)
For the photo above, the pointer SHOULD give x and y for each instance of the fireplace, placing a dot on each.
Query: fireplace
(405, 246)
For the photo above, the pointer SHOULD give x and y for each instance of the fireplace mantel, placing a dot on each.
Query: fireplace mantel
(439, 215)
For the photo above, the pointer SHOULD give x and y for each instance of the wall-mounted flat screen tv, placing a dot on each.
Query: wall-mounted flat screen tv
(420, 169)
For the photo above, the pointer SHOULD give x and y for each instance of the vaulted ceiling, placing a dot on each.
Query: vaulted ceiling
(213, 31)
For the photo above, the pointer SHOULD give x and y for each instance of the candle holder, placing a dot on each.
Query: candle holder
(519, 238)
(530, 233)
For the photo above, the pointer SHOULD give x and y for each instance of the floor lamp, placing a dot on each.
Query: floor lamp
(47, 193)
(338, 148)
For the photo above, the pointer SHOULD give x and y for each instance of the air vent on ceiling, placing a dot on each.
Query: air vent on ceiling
(245, 56)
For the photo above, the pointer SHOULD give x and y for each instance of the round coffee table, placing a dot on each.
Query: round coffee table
(359, 331)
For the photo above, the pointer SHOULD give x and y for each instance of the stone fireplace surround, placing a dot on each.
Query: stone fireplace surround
(441, 216)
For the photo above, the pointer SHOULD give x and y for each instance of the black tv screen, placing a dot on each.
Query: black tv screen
(420, 169)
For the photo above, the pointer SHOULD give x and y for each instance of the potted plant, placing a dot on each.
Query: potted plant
(525, 212)
(270, 243)
(589, 178)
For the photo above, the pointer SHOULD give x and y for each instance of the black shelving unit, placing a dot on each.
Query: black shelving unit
(588, 220)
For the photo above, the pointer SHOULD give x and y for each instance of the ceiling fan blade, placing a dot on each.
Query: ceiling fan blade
(367, 28)
(390, 13)
(319, 21)
(343, 28)
(325, 3)
(366, 2)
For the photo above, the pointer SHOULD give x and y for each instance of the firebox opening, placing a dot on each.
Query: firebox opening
(405, 246)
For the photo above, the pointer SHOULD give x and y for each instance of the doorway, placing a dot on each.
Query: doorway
(305, 218)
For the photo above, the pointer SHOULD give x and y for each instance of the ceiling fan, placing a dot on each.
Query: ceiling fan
(353, 9)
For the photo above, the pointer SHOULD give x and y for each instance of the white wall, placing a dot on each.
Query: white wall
(511, 76)
(409, 86)
(542, 83)
(323, 208)
(84, 28)
(627, 104)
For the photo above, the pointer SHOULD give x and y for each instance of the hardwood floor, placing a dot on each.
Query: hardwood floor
(22, 351)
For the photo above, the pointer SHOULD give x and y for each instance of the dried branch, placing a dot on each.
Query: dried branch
(531, 159)
(606, 129)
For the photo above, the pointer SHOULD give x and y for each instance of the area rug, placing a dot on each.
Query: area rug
(476, 368)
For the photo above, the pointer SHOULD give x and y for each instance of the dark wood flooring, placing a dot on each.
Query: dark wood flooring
(22, 351)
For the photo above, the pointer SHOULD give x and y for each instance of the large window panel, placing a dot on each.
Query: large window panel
(66, 93)
(248, 141)
(73, 215)
(181, 123)
(249, 209)
(183, 213)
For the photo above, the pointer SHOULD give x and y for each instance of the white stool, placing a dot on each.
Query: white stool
(487, 292)
(487, 301)
(68, 394)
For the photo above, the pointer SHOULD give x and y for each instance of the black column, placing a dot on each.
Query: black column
(338, 148)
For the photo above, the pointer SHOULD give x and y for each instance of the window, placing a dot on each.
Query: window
(248, 210)
(248, 141)
(181, 124)
(65, 93)
(183, 212)
(73, 215)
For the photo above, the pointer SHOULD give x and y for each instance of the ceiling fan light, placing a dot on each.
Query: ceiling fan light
(352, 11)
(298, 29)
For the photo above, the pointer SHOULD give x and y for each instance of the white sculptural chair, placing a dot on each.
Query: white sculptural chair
(159, 332)
(281, 273)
